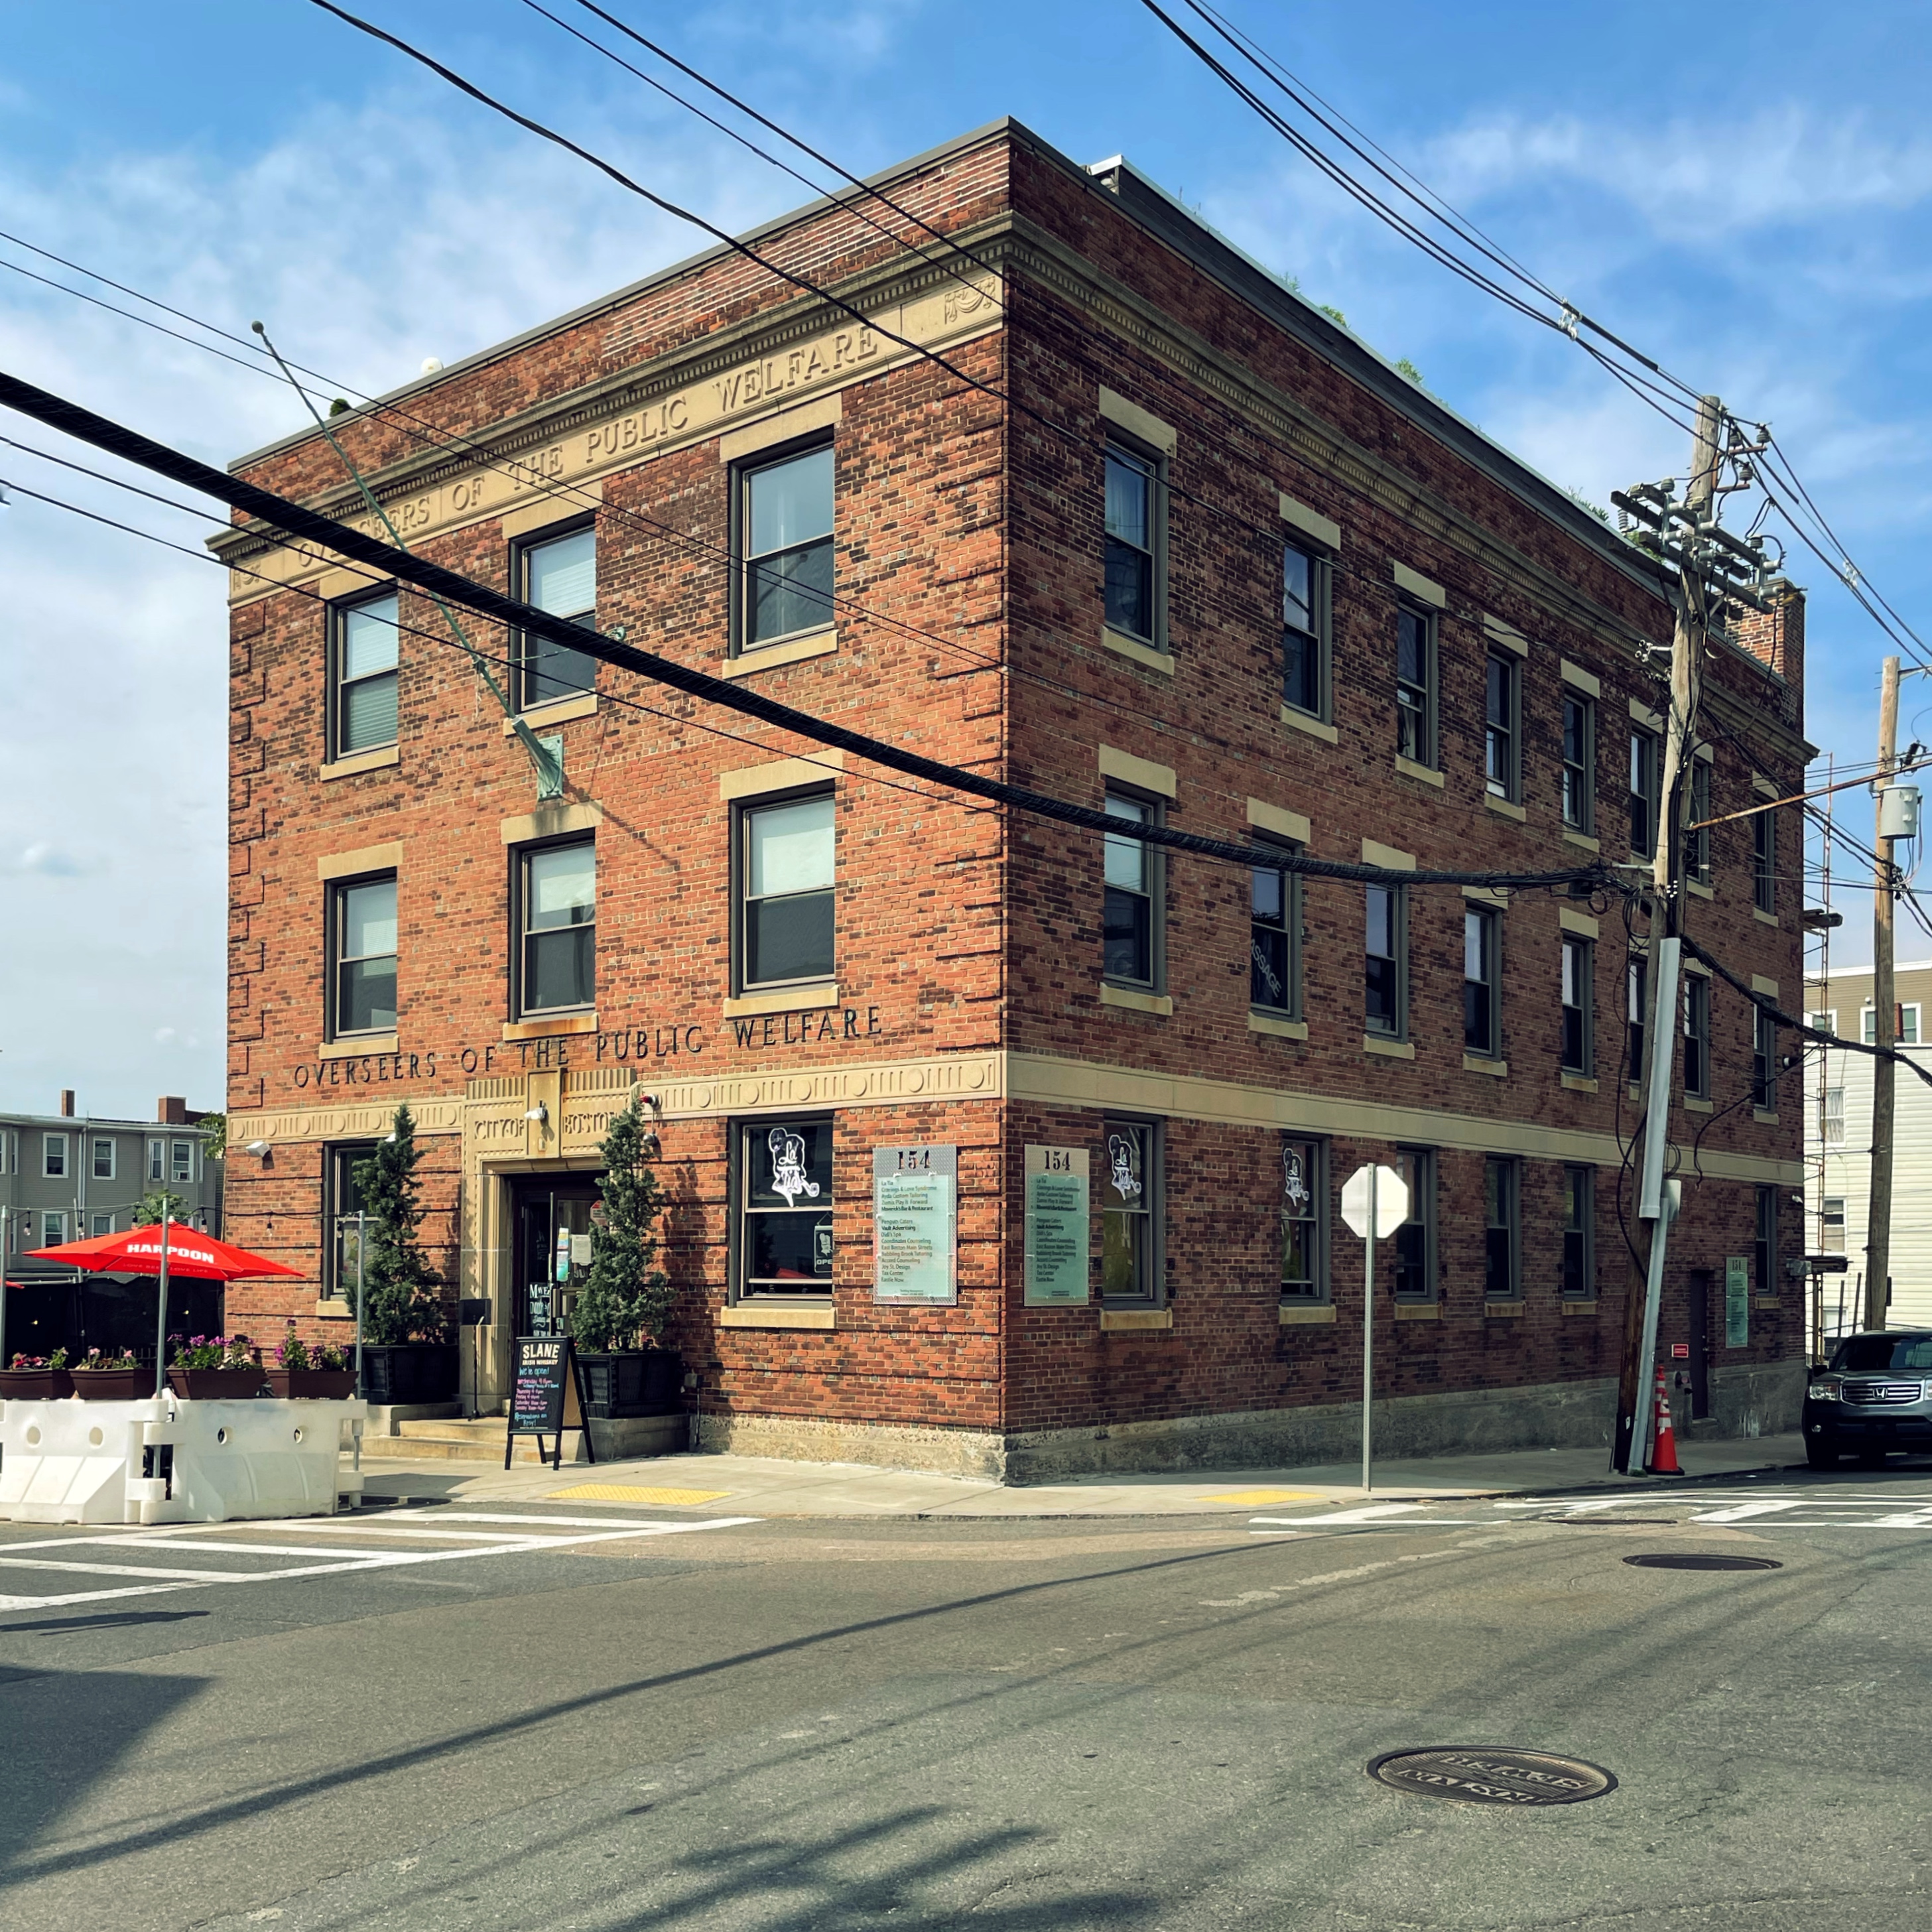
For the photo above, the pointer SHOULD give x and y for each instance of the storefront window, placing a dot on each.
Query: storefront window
(784, 1192)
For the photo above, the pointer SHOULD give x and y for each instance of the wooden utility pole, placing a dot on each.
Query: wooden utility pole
(1634, 1390)
(1878, 1217)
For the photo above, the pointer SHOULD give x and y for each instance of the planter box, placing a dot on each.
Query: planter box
(410, 1372)
(312, 1385)
(215, 1384)
(35, 1385)
(643, 1382)
(113, 1384)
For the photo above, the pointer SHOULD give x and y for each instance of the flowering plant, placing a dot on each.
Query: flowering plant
(292, 1351)
(95, 1358)
(212, 1351)
(57, 1360)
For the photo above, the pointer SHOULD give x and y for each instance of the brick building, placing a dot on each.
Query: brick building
(1221, 566)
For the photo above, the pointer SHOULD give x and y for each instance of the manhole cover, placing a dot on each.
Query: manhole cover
(1492, 1775)
(1698, 1559)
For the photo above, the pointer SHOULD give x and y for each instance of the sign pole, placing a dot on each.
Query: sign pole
(1369, 1345)
(161, 1316)
(361, 1254)
(6, 1217)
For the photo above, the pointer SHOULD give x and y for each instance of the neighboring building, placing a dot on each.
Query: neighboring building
(66, 1177)
(1837, 1146)
(1244, 578)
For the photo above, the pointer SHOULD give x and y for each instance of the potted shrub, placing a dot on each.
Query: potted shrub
(626, 1298)
(302, 1373)
(36, 1378)
(113, 1377)
(214, 1368)
(407, 1354)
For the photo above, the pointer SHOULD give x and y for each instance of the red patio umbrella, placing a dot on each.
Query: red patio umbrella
(162, 1250)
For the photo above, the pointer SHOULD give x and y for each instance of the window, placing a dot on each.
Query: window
(1415, 1239)
(181, 1160)
(1415, 686)
(785, 519)
(1304, 630)
(1580, 763)
(342, 1199)
(1904, 1029)
(1304, 1214)
(1697, 843)
(1834, 1113)
(1502, 1179)
(157, 1160)
(557, 922)
(1764, 1058)
(1482, 982)
(101, 1224)
(1826, 1021)
(1831, 1224)
(1503, 726)
(786, 875)
(362, 937)
(1128, 1259)
(1764, 1258)
(102, 1168)
(1133, 590)
(1579, 1226)
(1643, 777)
(1386, 980)
(53, 1155)
(53, 1229)
(1274, 942)
(1764, 861)
(1130, 929)
(558, 575)
(1637, 985)
(1580, 1046)
(1697, 1036)
(784, 1187)
(362, 675)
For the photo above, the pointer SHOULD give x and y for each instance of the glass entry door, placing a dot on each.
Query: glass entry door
(552, 1224)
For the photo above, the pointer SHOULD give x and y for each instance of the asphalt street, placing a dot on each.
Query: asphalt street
(563, 1715)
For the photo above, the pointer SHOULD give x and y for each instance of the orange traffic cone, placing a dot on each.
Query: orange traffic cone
(1663, 1441)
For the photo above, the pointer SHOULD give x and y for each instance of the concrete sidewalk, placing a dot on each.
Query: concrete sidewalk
(757, 1486)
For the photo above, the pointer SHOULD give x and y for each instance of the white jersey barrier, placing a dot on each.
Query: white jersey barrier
(166, 1460)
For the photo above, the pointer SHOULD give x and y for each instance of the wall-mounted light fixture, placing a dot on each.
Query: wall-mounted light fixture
(259, 1148)
(539, 1113)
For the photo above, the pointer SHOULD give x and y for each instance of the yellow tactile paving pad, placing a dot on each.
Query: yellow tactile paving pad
(1255, 1498)
(624, 1492)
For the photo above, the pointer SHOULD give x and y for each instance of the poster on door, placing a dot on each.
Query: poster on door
(916, 1225)
(1737, 1302)
(1056, 1227)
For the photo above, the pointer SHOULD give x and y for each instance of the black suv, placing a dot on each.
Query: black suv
(1874, 1395)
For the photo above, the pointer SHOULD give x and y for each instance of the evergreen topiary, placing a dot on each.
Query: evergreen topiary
(399, 1302)
(626, 1298)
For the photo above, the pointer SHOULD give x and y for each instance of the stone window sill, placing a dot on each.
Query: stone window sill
(786, 1000)
(1424, 774)
(1692, 1104)
(1295, 1314)
(1508, 808)
(1418, 1311)
(1581, 841)
(1135, 1321)
(1764, 918)
(1388, 1049)
(1141, 654)
(563, 1023)
(764, 1315)
(1276, 1027)
(1700, 892)
(1573, 1306)
(789, 650)
(1578, 1083)
(1764, 1301)
(1493, 1311)
(1477, 1062)
(1301, 721)
(335, 1310)
(1131, 1001)
(558, 711)
(1765, 1117)
(355, 1049)
(376, 760)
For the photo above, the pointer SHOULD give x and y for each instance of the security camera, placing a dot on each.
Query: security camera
(258, 1147)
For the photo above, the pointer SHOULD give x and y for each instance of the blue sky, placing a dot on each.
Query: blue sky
(1748, 201)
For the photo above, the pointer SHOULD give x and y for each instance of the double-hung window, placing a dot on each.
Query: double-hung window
(53, 1157)
(556, 928)
(1636, 998)
(1643, 782)
(1578, 1003)
(1905, 1026)
(785, 522)
(53, 1229)
(1580, 763)
(1482, 982)
(1503, 727)
(1831, 1224)
(342, 1201)
(180, 1161)
(1130, 910)
(1415, 1239)
(558, 575)
(1579, 1229)
(1696, 1037)
(1502, 1181)
(1304, 1213)
(158, 1156)
(1129, 1212)
(1764, 1058)
(1835, 1114)
(103, 1167)
(1133, 561)
(1825, 1020)
(362, 944)
(786, 883)
(99, 1224)
(1764, 862)
(1415, 684)
(1697, 849)
(1304, 629)
(1385, 988)
(362, 674)
(1274, 942)
(783, 1186)
(1765, 1257)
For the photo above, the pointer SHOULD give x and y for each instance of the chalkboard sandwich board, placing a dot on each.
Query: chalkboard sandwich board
(544, 1396)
